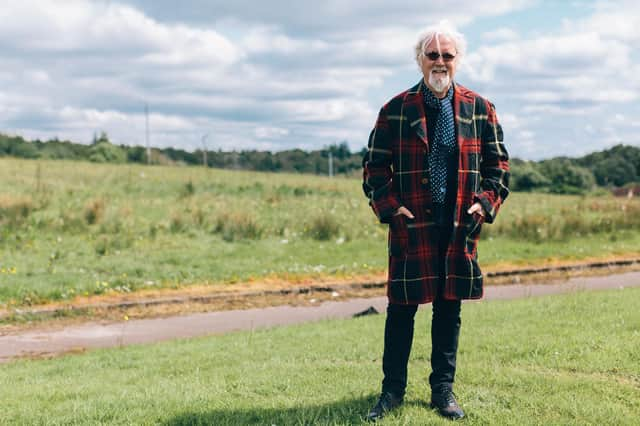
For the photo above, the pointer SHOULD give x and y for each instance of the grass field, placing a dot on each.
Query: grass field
(561, 360)
(69, 229)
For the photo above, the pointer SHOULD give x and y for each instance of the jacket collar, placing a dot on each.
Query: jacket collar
(414, 110)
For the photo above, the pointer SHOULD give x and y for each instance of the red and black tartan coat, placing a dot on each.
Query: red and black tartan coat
(396, 174)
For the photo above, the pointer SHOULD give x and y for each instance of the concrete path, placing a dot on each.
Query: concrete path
(93, 335)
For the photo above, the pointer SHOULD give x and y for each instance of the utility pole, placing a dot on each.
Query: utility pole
(204, 149)
(146, 115)
(330, 164)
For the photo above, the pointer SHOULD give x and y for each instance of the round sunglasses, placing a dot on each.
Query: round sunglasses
(433, 56)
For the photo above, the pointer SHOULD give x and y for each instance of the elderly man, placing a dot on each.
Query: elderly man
(436, 169)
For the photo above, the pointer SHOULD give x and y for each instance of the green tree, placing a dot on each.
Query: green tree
(22, 149)
(567, 177)
(104, 152)
(527, 177)
(615, 171)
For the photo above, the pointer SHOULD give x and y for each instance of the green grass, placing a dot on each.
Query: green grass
(571, 359)
(73, 228)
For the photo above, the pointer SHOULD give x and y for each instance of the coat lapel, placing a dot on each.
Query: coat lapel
(414, 110)
(463, 115)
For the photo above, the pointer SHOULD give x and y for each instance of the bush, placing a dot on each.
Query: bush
(104, 152)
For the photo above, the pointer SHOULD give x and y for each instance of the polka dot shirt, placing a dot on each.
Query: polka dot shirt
(442, 143)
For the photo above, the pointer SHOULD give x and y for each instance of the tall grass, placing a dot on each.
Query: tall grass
(251, 206)
(238, 226)
(15, 210)
(94, 211)
(576, 217)
(172, 226)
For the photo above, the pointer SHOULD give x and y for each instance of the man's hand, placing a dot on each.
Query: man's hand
(475, 208)
(405, 211)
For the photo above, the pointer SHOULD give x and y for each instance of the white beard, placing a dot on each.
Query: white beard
(440, 84)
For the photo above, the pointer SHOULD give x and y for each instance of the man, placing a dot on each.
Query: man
(435, 170)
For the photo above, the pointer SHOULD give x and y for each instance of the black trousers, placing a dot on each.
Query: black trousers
(445, 329)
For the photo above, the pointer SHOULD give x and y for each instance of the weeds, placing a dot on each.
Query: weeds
(237, 226)
(106, 244)
(103, 220)
(568, 222)
(15, 210)
(94, 211)
(177, 223)
(323, 228)
(188, 189)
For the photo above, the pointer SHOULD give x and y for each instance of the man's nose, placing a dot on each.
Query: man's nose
(440, 60)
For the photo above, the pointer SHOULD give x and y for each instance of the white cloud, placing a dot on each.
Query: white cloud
(501, 34)
(618, 20)
(84, 27)
(279, 74)
(270, 132)
(584, 71)
(336, 19)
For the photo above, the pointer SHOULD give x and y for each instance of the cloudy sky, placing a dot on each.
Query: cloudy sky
(273, 75)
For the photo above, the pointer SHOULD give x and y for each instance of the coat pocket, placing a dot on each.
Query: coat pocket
(475, 225)
(398, 236)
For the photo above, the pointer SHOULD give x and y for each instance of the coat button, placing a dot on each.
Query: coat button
(425, 181)
(427, 211)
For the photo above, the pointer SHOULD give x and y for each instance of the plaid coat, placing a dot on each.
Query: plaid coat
(396, 174)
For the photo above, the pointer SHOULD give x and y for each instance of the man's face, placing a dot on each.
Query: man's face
(438, 73)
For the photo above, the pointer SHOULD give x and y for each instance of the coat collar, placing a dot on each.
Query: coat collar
(414, 109)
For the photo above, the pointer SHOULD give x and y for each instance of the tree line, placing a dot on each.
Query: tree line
(614, 167)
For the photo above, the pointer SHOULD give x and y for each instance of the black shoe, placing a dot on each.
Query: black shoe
(444, 400)
(386, 403)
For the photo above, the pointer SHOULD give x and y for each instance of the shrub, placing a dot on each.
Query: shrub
(104, 152)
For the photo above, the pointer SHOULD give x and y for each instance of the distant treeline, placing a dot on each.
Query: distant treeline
(614, 167)
(101, 150)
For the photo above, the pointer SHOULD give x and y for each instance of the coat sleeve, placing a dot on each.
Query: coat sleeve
(494, 167)
(377, 171)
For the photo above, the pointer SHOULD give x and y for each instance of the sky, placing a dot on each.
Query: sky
(273, 75)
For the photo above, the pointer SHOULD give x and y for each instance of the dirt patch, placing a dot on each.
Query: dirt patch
(260, 294)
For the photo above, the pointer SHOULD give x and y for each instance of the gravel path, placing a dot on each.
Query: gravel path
(77, 338)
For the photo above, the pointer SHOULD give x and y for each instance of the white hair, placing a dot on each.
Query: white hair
(442, 29)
